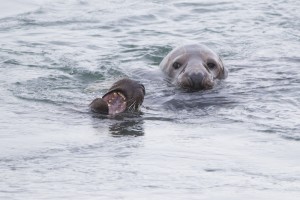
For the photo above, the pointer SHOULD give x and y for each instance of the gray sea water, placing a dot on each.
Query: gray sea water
(240, 140)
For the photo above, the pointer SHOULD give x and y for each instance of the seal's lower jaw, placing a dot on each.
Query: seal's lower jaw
(116, 102)
(98, 105)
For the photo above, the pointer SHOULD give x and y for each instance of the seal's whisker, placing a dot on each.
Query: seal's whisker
(131, 106)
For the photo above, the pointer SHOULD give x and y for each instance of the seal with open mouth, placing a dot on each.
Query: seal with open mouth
(124, 95)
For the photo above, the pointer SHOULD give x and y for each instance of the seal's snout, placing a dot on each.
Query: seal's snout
(201, 81)
(196, 81)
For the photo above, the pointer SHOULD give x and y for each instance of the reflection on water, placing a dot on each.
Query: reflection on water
(127, 128)
(125, 124)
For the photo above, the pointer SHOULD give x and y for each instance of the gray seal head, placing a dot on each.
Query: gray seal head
(193, 67)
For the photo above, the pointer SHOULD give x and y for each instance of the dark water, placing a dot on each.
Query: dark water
(239, 140)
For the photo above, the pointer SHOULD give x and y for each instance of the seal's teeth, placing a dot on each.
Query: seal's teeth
(123, 97)
(109, 101)
(108, 104)
(115, 94)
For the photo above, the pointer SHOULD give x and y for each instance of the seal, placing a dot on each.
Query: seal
(124, 95)
(193, 67)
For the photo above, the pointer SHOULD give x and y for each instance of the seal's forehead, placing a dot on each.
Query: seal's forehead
(177, 52)
(193, 50)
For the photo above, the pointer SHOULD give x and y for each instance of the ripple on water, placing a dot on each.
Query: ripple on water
(240, 138)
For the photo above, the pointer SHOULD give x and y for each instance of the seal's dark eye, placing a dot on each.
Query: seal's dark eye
(211, 65)
(176, 65)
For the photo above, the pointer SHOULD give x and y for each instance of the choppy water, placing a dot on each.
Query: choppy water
(239, 140)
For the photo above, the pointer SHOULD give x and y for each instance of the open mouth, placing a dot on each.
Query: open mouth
(124, 95)
(116, 102)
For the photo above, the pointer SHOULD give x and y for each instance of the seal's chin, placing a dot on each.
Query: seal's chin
(116, 102)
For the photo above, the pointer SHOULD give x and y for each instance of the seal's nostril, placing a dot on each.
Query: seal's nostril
(197, 80)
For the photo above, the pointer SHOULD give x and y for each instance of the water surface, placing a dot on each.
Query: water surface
(239, 140)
